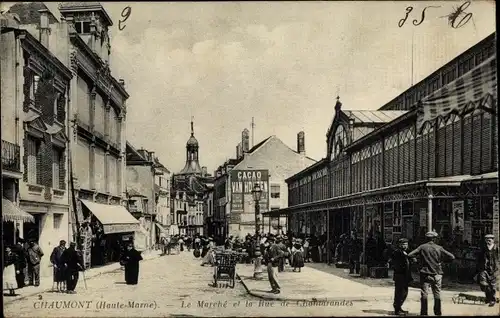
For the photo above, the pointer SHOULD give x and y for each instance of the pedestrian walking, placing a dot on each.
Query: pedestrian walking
(130, 260)
(55, 259)
(297, 255)
(72, 262)
(431, 274)
(9, 271)
(487, 269)
(306, 250)
(271, 258)
(21, 263)
(35, 255)
(401, 264)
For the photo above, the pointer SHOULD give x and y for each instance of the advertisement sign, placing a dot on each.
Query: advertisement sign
(457, 217)
(496, 220)
(242, 184)
(423, 217)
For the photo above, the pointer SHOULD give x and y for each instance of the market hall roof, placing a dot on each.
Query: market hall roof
(373, 116)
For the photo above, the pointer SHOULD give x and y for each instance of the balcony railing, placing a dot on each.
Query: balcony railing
(11, 156)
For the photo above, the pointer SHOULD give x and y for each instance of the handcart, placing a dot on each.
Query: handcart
(225, 268)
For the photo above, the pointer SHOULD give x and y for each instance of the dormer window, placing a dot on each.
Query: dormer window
(82, 27)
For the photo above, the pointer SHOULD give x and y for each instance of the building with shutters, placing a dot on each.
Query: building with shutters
(426, 160)
(268, 163)
(35, 85)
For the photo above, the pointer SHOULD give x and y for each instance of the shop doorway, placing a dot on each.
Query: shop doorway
(32, 230)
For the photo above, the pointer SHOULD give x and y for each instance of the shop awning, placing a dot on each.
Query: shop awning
(475, 89)
(12, 213)
(114, 218)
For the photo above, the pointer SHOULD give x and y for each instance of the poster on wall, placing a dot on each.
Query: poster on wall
(242, 184)
(457, 217)
(468, 231)
(397, 221)
(423, 217)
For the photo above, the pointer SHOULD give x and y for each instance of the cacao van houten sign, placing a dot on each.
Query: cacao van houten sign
(242, 184)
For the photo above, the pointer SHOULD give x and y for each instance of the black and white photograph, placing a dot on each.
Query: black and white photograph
(249, 158)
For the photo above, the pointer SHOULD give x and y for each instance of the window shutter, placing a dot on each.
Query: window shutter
(486, 143)
(476, 143)
(467, 133)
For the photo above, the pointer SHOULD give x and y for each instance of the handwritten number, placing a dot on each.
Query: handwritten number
(403, 20)
(125, 15)
(416, 23)
(452, 18)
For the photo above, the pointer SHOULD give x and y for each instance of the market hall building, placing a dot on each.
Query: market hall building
(426, 160)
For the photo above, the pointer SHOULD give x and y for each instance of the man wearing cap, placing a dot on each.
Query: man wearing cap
(402, 275)
(73, 263)
(431, 274)
(271, 259)
(487, 268)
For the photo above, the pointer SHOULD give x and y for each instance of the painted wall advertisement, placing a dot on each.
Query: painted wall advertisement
(242, 184)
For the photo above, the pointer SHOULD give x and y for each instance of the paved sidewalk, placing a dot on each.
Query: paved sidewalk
(312, 284)
(46, 282)
(448, 284)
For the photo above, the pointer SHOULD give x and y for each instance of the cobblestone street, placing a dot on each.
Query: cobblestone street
(177, 285)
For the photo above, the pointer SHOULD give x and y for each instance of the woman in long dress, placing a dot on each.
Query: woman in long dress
(297, 256)
(9, 271)
(130, 260)
(209, 257)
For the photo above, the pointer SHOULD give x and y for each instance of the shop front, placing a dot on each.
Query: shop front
(14, 221)
(112, 227)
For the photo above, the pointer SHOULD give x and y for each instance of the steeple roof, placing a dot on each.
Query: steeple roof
(192, 141)
(192, 165)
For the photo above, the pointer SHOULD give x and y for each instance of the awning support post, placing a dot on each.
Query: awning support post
(429, 211)
(328, 238)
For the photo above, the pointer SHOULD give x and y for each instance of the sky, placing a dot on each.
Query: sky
(283, 63)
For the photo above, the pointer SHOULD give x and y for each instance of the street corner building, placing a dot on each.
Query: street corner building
(189, 188)
(268, 163)
(64, 131)
(427, 160)
(148, 195)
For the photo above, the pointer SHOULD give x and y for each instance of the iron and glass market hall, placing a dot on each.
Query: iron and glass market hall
(427, 160)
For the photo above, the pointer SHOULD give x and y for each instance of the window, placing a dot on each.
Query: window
(275, 191)
(32, 148)
(34, 86)
(82, 27)
(57, 220)
(57, 166)
(339, 141)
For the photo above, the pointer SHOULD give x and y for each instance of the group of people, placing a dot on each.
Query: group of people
(21, 266)
(67, 263)
(431, 256)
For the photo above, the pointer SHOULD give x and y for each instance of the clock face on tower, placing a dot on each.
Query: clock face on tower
(339, 141)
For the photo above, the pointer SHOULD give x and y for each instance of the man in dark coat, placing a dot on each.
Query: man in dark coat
(55, 259)
(35, 254)
(402, 275)
(72, 261)
(130, 260)
(20, 250)
(431, 273)
(487, 268)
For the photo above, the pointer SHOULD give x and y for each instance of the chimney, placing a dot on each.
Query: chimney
(122, 82)
(204, 171)
(301, 143)
(239, 153)
(44, 27)
(245, 141)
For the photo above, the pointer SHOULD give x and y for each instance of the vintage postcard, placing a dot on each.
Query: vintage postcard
(254, 159)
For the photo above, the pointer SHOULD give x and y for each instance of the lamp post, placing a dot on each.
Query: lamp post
(257, 193)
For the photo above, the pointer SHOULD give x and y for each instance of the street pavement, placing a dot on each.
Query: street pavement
(176, 285)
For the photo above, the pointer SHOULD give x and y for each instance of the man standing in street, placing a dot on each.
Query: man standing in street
(34, 257)
(72, 262)
(22, 263)
(272, 257)
(402, 275)
(431, 274)
(487, 268)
